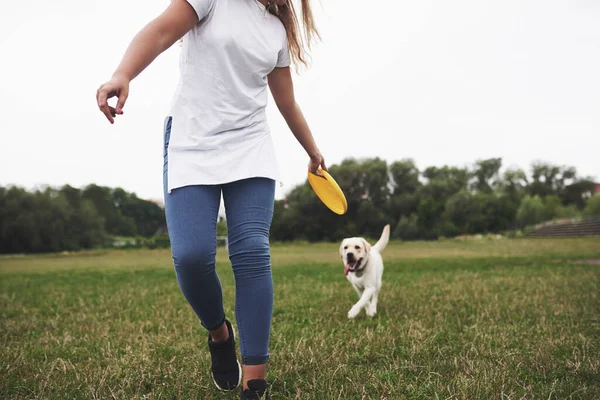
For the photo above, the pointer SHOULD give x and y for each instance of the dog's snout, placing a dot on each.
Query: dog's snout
(350, 256)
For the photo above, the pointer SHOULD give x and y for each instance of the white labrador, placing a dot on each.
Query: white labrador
(363, 267)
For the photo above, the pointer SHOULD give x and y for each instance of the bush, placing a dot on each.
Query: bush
(161, 241)
(592, 209)
(553, 209)
(139, 242)
(570, 211)
(448, 229)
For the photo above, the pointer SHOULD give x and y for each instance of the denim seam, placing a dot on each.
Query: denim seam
(255, 360)
(240, 328)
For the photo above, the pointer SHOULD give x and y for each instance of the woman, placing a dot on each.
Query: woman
(217, 141)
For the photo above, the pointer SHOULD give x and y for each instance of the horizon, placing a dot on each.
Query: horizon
(160, 200)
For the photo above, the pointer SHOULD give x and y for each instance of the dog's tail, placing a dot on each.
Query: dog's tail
(383, 240)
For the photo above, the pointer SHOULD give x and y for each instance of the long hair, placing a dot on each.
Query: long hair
(300, 38)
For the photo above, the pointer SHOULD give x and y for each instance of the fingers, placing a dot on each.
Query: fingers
(316, 164)
(323, 166)
(319, 171)
(122, 99)
(108, 90)
(102, 98)
(314, 169)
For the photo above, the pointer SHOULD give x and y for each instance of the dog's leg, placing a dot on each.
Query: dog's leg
(362, 302)
(372, 307)
(359, 292)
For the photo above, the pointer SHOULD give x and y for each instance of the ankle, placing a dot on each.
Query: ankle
(221, 334)
(253, 372)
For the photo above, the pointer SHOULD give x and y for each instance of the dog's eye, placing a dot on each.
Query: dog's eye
(345, 247)
(357, 247)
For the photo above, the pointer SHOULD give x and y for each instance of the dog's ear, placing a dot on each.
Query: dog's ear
(366, 245)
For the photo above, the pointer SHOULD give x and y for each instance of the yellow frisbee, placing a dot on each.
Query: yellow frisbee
(327, 189)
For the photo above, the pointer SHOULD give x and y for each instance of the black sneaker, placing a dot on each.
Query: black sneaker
(226, 370)
(257, 390)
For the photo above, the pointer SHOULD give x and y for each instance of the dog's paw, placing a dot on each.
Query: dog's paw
(371, 311)
(353, 312)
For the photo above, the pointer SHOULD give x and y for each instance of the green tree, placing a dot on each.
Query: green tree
(124, 213)
(147, 216)
(404, 177)
(554, 208)
(19, 230)
(514, 184)
(109, 208)
(463, 210)
(499, 211)
(405, 183)
(530, 212)
(449, 180)
(548, 179)
(486, 175)
(442, 200)
(429, 217)
(442, 183)
(407, 228)
(578, 192)
(47, 221)
(376, 182)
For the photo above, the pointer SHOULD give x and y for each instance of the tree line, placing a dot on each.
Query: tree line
(70, 219)
(419, 204)
(436, 201)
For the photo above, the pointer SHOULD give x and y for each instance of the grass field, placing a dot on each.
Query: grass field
(457, 320)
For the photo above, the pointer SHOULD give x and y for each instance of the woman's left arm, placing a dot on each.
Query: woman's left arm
(282, 89)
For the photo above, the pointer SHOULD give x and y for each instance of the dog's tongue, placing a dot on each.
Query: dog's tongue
(347, 268)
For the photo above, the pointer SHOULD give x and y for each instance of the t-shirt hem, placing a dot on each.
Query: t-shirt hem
(224, 181)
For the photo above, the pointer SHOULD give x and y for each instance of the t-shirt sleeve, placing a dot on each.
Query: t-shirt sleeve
(202, 7)
(283, 57)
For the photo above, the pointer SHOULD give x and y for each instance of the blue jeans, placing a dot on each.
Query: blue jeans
(192, 213)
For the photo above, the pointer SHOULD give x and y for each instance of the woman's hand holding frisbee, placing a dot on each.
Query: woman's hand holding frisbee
(316, 161)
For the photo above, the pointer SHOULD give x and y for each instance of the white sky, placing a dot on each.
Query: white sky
(438, 81)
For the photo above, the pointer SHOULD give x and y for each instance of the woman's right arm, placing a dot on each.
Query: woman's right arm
(152, 40)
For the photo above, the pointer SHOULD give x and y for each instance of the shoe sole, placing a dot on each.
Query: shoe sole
(239, 369)
(236, 386)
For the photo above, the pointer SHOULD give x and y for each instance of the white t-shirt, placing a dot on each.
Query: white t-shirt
(219, 132)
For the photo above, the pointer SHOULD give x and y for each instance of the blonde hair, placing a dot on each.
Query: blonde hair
(300, 38)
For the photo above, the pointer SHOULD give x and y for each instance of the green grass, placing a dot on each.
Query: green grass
(505, 319)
